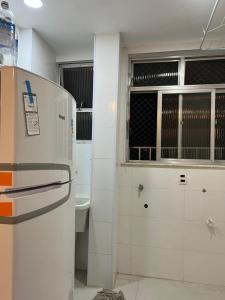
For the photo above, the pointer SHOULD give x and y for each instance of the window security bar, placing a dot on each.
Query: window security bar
(195, 153)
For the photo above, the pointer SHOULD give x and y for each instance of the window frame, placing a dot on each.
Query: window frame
(175, 89)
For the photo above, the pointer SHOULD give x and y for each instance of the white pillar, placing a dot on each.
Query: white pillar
(102, 235)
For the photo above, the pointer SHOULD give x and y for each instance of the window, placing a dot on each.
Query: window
(78, 80)
(143, 118)
(205, 71)
(84, 125)
(177, 110)
(189, 135)
(155, 73)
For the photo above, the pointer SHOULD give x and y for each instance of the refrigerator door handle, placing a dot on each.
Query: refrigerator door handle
(32, 205)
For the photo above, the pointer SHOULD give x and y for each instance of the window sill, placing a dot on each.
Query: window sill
(176, 165)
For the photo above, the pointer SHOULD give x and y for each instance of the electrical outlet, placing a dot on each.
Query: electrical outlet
(183, 179)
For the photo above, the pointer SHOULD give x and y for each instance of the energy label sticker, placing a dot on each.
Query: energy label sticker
(32, 120)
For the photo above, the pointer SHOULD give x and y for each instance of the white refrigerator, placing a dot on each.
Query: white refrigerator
(37, 217)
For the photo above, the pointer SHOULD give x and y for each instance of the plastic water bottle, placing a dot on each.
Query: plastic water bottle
(16, 43)
(7, 35)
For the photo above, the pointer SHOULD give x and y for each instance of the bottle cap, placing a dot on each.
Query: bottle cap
(5, 5)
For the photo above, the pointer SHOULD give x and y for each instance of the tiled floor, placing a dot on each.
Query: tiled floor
(136, 288)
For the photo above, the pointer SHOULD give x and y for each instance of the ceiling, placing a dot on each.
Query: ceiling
(68, 25)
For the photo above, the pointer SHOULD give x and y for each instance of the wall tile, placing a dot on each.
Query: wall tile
(124, 230)
(125, 176)
(100, 240)
(99, 270)
(156, 178)
(102, 203)
(156, 262)
(124, 259)
(209, 179)
(204, 268)
(163, 204)
(103, 174)
(198, 237)
(125, 195)
(82, 189)
(104, 142)
(200, 206)
(147, 232)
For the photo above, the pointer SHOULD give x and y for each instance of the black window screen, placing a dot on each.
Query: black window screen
(84, 126)
(169, 135)
(79, 82)
(155, 74)
(205, 72)
(143, 124)
(220, 127)
(196, 124)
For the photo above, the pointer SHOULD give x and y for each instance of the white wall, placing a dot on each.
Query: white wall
(36, 55)
(102, 219)
(83, 168)
(25, 49)
(169, 239)
(79, 55)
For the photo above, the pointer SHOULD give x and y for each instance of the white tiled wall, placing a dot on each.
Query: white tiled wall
(170, 238)
(102, 241)
(83, 168)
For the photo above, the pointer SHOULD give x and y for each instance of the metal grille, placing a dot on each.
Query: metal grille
(220, 127)
(155, 74)
(79, 82)
(205, 72)
(84, 126)
(196, 120)
(169, 135)
(143, 124)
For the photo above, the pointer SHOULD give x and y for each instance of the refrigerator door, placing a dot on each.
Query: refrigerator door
(36, 124)
(37, 252)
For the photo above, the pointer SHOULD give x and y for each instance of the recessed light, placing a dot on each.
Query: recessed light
(34, 3)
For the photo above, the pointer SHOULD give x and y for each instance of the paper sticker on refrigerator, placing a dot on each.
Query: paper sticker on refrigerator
(33, 127)
(28, 105)
(31, 114)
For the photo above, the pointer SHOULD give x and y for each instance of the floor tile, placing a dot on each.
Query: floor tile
(85, 293)
(158, 289)
(138, 288)
(128, 287)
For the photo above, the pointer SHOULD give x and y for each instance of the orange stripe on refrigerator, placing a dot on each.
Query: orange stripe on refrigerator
(6, 179)
(6, 209)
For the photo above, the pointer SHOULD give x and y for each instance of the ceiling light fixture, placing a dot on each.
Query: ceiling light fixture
(33, 3)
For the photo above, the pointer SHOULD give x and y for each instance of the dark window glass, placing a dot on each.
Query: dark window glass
(143, 124)
(205, 72)
(79, 82)
(154, 74)
(220, 127)
(84, 126)
(196, 123)
(169, 138)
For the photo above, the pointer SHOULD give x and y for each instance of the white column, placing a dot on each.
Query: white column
(101, 257)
